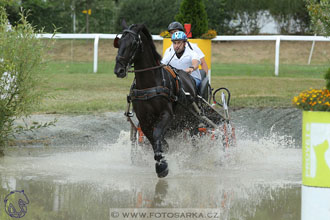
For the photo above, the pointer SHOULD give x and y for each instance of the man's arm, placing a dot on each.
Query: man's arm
(193, 67)
(202, 58)
(204, 65)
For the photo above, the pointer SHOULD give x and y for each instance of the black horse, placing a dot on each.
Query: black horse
(155, 92)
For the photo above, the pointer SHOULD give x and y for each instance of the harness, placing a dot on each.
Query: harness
(145, 94)
(149, 93)
(175, 77)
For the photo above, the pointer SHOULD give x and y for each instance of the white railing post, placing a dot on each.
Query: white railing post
(277, 55)
(277, 38)
(96, 45)
(311, 52)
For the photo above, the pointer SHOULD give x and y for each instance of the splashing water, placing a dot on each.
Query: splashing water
(268, 158)
(236, 180)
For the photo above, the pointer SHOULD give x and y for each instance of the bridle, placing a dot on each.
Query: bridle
(145, 93)
(136, 44)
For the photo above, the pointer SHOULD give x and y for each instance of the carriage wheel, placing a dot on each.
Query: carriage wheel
(134, 146)
(229, 137)
(138, 145)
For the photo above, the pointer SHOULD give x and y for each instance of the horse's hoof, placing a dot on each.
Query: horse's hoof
(162, 169)
(163, 174)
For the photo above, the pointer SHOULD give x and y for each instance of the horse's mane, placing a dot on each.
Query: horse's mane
(148, 36)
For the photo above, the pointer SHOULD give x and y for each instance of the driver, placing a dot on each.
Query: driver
(177, 26)
(183, 58)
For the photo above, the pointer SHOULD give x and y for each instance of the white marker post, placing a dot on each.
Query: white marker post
(315, 193)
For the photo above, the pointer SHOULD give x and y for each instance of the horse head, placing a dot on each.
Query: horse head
(128, 46)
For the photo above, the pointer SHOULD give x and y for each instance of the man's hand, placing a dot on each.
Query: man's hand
(189, 70)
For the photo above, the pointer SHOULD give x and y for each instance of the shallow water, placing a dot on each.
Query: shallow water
(259, 179)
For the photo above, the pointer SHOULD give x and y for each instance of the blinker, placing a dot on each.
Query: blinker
(116, 42)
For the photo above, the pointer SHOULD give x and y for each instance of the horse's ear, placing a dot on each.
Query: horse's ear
(124, 24)
(140, 27)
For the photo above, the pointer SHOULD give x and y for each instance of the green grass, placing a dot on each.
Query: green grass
(77, 67)
(268, 70)
(259, 70)
(73, 88)
(84, 93)
(264, 91)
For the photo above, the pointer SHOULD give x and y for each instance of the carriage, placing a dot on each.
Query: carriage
(165, 100)
(211, 113)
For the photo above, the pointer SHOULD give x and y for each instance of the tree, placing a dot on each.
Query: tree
(101, 19)
(247, 14)
(21, 55)
(291, 16)
(319, 11)
(155, 14)
(193, 12)
(219, 16)
(51, 14)
(47, 15)
(12, 9)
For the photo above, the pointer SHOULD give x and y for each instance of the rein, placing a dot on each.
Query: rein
(146, 69)
(166, 67)
(147, 93)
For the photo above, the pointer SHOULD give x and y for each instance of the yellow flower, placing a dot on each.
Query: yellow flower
(313, 100)
(165, 34)
(210, 34)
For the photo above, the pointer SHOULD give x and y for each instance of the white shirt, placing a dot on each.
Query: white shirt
(184, 62)
(194, 47)
(197, 50)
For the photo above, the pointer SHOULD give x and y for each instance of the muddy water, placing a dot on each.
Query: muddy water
(259, 179)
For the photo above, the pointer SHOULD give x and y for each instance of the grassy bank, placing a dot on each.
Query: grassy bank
(246, 68)
(73, 88)
(218, 69)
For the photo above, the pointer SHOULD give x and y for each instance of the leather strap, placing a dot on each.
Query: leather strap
(169, 69)
(149, 93)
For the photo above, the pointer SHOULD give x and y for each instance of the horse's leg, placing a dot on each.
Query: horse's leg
(158, 136)
(165, 145)
(148, 132)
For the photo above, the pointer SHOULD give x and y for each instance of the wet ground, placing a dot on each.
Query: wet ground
(81, 169)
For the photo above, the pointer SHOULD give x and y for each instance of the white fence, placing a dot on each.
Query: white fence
(276, 38)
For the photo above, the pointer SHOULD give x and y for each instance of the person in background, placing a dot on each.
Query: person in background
(176, 26)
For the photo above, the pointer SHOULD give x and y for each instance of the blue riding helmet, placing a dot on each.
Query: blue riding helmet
(179, 35)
